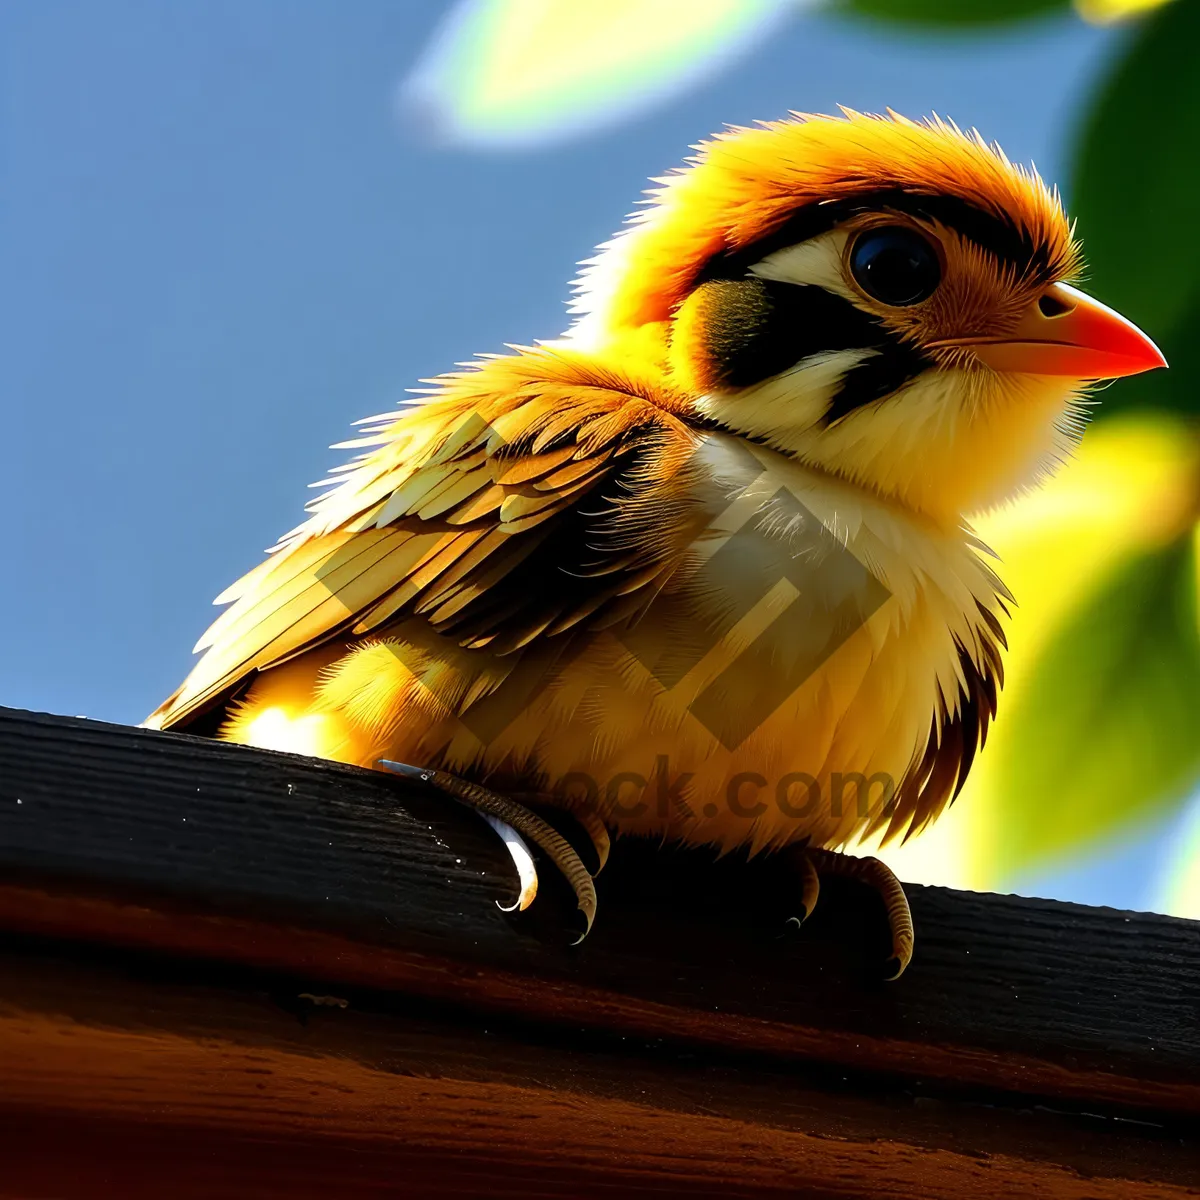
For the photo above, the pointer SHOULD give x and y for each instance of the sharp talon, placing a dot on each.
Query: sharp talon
(585, 816)
(511, 820)
(589, 915)
(522, 860)
(879, 877)
(898, 963)
(798, 921)
(810, 886)
(595, 828)
(602, 852)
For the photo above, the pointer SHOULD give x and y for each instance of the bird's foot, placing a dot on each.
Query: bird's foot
(586, 817)
(877, 876)
(514, 822)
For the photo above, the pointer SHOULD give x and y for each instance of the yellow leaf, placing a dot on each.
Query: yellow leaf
(523, 72)
(1104, 12)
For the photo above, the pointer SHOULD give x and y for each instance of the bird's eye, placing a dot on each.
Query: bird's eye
(895, 265)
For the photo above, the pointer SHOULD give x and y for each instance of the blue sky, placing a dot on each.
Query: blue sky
(219, 248)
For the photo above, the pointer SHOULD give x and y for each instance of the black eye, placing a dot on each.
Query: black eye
(895, 265)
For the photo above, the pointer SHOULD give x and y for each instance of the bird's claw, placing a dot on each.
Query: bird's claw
(595, 828)
(514, 822)
(877, 876)
(522, 859)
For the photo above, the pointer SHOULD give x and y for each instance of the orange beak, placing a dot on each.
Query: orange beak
(1068, 333)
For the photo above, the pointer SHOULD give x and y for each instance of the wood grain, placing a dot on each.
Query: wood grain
(230, 1093)
(165, 901)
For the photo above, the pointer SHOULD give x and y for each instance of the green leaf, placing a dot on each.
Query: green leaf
(1136, 196)
(1105, 730)
(951, 13)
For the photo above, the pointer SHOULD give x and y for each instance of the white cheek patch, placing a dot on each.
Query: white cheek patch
(785, 406)
(815, 263)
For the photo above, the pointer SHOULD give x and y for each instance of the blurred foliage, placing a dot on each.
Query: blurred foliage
(506, 73)
(951, 14)
(1136, 196)
(959, 14)
(1115, 10)
(501, 74)
(1097, 729)
(1179, 889)
(1105, 731)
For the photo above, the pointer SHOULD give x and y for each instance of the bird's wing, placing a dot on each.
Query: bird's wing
(529, 494)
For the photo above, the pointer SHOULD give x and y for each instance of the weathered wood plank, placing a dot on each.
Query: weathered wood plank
(129, 1079)
(395, 888)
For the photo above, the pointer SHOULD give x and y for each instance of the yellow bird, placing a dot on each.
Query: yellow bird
(701, 567)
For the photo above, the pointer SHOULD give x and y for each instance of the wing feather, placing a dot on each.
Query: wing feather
(486, 510)
(533, 466)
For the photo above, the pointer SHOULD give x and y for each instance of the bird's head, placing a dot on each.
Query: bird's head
(887, 301)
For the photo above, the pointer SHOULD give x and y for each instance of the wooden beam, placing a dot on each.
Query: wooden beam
(180, 922)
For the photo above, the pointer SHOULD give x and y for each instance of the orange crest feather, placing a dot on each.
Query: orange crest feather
(745, 183)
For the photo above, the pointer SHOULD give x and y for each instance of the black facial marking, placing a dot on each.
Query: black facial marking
(763, 327)
(756, 328)
(881, 375)
(995, 234)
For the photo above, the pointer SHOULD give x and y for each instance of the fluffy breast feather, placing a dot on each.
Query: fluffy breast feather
(815, 637)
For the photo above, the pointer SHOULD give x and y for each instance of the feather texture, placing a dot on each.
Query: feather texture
(455, 503)
(686, 547)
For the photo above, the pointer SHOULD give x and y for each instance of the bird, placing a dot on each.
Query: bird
(701, 568)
